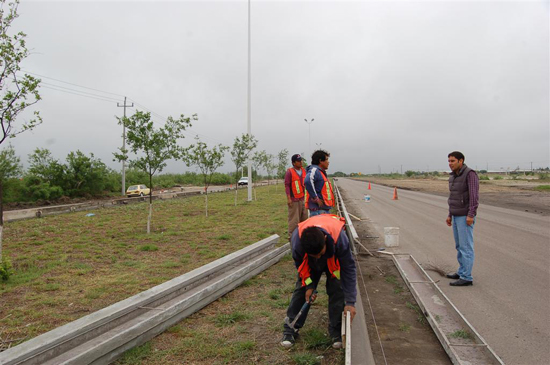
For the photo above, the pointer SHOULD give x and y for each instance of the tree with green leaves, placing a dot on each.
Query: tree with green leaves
(282, 163)
(10, 166)
(258, 160)
(152, 147)
(240, 153)
(208, 160)
(18, 91)
(269, 165)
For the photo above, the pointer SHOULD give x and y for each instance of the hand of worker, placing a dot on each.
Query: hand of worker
(351, 310)
(289, 202)
(449, 221)
(469, 220)
(310, 297)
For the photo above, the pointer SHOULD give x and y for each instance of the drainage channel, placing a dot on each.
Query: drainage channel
(357, 345)
(103, 336)
(457, 336)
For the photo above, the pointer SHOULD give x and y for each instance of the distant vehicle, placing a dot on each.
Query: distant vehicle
(243, 181)
(137, 190)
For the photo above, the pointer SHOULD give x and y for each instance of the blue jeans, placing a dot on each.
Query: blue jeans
(464, 241)
(318, 212)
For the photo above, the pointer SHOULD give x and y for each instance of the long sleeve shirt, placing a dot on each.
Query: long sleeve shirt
(473, 189)
(314, 184)
(342, 251)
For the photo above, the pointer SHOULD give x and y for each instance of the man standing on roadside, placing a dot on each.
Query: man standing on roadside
(295, 192)
(320, 245)
(319, 195)
(463, 202)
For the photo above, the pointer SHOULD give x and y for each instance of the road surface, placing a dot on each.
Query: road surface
(509, 303)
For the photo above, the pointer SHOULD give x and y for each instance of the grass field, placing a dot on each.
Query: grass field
(70, 265)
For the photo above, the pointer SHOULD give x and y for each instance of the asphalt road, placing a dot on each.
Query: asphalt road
(509, 303)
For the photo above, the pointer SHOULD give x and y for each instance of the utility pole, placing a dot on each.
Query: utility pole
(309, 123)
(124, 145)
(401, 169)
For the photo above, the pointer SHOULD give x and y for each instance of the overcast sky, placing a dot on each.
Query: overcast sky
(391, 84)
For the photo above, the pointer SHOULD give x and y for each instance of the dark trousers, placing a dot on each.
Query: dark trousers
(335, 305)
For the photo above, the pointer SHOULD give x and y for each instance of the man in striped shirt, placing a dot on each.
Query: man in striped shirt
(463, 202)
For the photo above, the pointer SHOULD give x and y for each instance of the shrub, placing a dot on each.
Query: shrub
(484, 177)
(5, 269)
(498, 177)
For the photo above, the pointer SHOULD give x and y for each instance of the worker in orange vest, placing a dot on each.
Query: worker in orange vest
(319, 193)
(295, 192)
(320, 245)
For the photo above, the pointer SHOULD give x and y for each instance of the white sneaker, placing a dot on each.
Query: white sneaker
(337, 344)
(288, 341)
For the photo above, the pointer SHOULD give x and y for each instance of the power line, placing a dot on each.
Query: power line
(74, 93)
(78, 91)
(70, 83)
(107, 99)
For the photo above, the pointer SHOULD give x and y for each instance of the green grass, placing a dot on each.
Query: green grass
(315, 338)
(88, 264)
(404, 327)
(543, 187)
(305, 359)
(223, 320)
(461, 334)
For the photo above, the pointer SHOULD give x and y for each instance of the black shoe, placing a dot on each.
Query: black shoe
(337, 343)
(288, 341)
(453, 276)
(461, 282)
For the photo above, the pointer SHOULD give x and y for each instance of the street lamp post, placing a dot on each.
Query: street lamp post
(309, 123)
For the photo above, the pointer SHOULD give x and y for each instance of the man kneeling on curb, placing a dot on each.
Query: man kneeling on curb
(320, 245)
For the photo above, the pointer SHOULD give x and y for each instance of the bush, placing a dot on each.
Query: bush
(5, 269)
(498, 177)
(543, 176)
(484, 177)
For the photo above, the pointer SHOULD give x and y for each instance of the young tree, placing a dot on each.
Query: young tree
(154, 146)
(242, 148)
(18, 92)
(282, 163)
(10, 166)
(269, 165)
(258, 160)
(207, 160)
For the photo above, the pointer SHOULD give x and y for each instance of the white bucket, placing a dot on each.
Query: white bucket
(367, 198)
(391, 235)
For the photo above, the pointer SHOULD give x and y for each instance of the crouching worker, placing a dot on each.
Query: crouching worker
(320, 245)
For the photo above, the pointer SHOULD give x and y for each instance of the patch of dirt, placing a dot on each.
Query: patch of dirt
(399, 332)
(512, 194)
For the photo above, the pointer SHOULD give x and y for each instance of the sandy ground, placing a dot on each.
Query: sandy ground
(512, 194)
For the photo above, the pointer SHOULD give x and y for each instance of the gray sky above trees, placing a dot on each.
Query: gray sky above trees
(389, 83)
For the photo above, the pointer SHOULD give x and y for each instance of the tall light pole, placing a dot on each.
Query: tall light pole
(309, 123)
(249, 110)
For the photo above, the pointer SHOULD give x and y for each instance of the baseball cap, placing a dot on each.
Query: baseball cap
(296, 157)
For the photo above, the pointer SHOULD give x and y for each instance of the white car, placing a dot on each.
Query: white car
(243, 181)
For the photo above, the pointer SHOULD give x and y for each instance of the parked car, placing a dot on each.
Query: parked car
(137, 190)
(243, 181)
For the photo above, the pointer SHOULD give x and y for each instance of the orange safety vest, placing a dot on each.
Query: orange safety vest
(331, 224)
(326, 193)
(297, 183)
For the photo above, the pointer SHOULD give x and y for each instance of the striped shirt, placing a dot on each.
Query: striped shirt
(473, 189)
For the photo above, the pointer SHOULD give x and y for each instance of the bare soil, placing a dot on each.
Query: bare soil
(507, 193)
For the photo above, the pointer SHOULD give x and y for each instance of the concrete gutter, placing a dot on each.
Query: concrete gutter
(361, 351)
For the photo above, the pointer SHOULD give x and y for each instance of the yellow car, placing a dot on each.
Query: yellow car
(137, 190)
